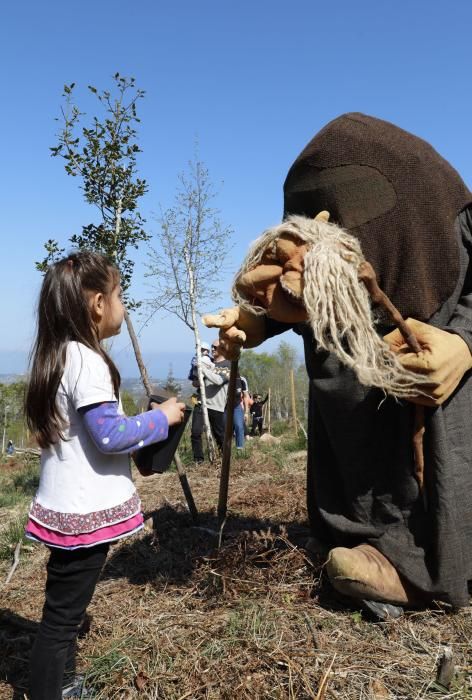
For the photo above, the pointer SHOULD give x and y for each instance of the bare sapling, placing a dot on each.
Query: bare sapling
(187, 261)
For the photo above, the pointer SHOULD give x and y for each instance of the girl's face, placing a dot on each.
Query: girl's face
(114, 314)
(108, 312)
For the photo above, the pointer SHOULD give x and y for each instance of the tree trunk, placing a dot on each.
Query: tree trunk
(268, 412)
(227, 444)
(119, 210)
(294, 403)
(138, 355)
(148, 389)
(206, 420)
(201, 383)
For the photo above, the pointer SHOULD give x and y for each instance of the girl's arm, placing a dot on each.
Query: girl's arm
(112, 432)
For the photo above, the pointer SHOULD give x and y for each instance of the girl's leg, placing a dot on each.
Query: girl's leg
(71, 579)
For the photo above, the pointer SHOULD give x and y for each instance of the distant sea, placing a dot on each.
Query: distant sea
(14, 363)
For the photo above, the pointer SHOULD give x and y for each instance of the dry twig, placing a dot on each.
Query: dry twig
(16, 561)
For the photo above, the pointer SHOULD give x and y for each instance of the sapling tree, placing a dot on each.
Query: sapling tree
(171, 386)
(102, 154)
(187, 262)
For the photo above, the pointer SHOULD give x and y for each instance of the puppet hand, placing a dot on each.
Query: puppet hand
(443, 360)
(238, 328)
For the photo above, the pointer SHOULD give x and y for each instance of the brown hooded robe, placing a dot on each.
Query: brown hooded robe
(409, 209)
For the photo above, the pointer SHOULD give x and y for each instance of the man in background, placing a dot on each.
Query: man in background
(216, 379)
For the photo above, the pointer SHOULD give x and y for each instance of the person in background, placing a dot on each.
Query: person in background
(256, 413)
(248, 417)
(216, 384)
(245, 405)
(197, 413)
(216, 376)
(242, 395)
(206, 360)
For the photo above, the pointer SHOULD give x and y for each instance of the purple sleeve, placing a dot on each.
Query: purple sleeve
(113, 432)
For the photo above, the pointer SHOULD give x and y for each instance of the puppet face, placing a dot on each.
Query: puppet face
(307, 270)
(276, 283)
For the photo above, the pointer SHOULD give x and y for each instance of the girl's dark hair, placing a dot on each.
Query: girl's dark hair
(64, 316)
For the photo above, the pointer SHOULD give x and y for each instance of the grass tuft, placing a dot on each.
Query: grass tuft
(13, 533)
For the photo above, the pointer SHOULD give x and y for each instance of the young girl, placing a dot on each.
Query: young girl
(86, 498)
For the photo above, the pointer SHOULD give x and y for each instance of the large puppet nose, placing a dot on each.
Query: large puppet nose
(255, 283)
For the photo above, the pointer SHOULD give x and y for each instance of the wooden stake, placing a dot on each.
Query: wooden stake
(302, 429)
(294, 403)
(268, 413)
(16, 561)
(265, 414)
(368, 277)
(445, 668)
(227, 444)
(186, 488)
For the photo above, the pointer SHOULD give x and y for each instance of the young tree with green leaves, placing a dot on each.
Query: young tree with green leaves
(187, 262)
(102, 154)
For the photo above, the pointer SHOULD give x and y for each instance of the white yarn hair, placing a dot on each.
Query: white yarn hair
(337, 303)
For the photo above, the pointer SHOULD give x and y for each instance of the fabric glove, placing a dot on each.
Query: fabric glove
(444, 360)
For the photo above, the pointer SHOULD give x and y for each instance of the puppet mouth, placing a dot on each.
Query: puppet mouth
(260, 285)
(292, 285)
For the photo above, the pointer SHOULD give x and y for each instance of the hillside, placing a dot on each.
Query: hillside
(187, 612)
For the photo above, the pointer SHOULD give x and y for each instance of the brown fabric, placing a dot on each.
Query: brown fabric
(396, 195)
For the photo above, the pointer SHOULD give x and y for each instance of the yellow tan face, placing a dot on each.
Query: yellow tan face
(277, 283)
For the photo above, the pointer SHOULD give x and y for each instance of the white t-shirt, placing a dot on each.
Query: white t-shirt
(76, 478)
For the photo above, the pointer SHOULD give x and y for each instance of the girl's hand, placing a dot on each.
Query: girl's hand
(172, 409)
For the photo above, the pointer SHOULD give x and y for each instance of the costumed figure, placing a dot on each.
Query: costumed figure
(389, 483)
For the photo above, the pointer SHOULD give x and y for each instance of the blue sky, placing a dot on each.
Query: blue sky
(253, 80)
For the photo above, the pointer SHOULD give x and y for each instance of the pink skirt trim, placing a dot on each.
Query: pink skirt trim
(104, 534)
(77, 523)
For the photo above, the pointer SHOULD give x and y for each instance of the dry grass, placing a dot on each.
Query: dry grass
(181, 612)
